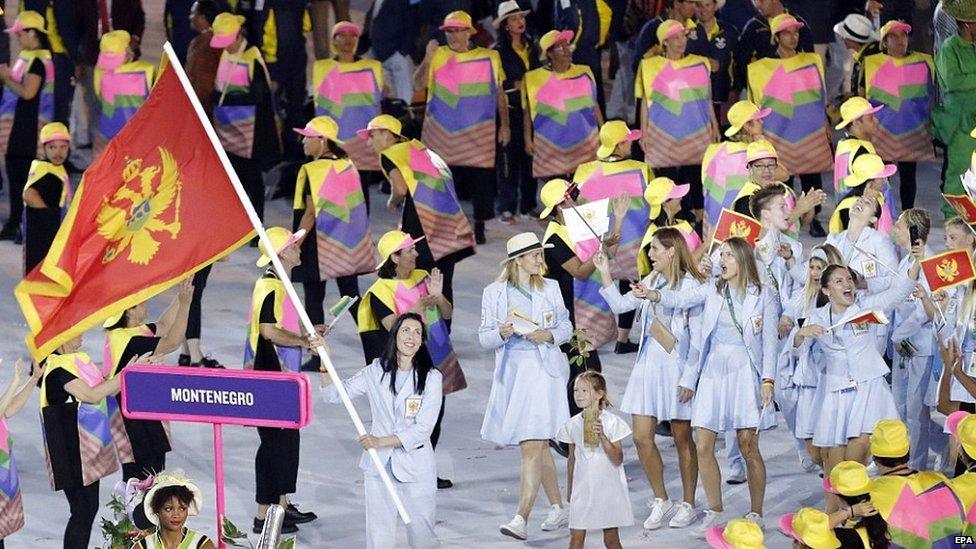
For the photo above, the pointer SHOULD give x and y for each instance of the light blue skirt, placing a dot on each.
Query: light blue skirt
(728, 395)
(652, 389)
(525, 403)
(850, 413)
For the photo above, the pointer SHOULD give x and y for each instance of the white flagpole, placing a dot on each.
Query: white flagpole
(282, 273)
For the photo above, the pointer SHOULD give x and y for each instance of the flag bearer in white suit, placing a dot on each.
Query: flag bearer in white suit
(853, 394)
(404, 393)
(913, 383)
(663, 353)
(524, 320)
(733, 379)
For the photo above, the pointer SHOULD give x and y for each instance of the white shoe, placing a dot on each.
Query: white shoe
(709, 518)
(757, 518)
(659, 510)
(872, 469)
(808, 465)
(557, 518)
(737, 474)
(515, 528)
(684, 515)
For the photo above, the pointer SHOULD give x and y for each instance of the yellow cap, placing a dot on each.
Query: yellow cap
(742, 112)
(889, 439)
(893, 26)
(660, 190)
(280, 238)
(226, 26)
(392, 242)
(457, 20)
(27, 20)
(962, 425)
(553, 193)
(784, 21)
(739, 533)
(320, 126)
(854, 108)
(758, 150)
(381, 122)
(850, 478)
(54, 131)
(114, 42)
(867, 167)
(669, 29)
(811, 527)
(612, 134)
(552, 38)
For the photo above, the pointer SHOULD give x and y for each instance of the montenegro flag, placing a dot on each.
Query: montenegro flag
(963, 205)
(155, 207)
(735, 225)
(948, 269)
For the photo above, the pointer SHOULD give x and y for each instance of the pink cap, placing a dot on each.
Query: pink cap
(897, 26)
(952, 421)
(827, 486)
(715, 536)
(221, 41)
(760, 114)
(307, 132)
(786, 526)
(346, 26)
(110, 61)
(678, 191)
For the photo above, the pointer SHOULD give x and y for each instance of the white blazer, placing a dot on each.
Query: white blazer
(548, 311)
(413, 461)
(875, 243)
(757, 314)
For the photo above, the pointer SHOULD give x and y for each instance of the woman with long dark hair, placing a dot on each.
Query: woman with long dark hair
(857, 523)
(519, 53)
(404, 393)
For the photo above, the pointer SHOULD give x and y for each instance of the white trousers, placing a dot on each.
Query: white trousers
(910, 381)
(381, 513)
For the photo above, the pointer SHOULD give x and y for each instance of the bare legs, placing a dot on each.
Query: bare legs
(650, 456)
(611, 538)
(755, 468)
(856, 449)
(537, 468)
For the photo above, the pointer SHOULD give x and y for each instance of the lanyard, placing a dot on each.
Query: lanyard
(520, 290)
(735, 321)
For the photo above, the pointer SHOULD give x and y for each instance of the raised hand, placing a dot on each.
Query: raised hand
(435, 283)
(185, 295)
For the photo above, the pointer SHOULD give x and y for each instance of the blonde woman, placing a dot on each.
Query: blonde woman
(732, 380)
(653, 393)
(524, 320)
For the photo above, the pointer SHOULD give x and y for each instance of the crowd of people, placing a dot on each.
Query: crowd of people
(617, 108)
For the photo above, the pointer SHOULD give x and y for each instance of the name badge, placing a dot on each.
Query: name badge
(548, 319)
(763, 248)
(413, 406)
(860, 329)
(869, 268)
(757, 324)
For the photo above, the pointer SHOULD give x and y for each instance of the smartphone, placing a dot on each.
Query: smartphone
(913, 235)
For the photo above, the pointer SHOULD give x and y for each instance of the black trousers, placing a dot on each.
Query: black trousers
(590, 363)
(83, 505)
(435, 434)
(480, 184)
(695, 199)
(249, 172)
(193, 320)
(625, 320)
(18, 167)
(907, 182)
(276, 464)
(516, 186)
(809, 181)
(64, 87)
(315, 296)
(142, 470)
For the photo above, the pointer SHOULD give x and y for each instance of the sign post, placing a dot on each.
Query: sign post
(235, 397)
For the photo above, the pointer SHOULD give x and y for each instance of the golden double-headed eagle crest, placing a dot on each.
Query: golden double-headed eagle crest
(947, 270)
(740, 229)
(132, 219)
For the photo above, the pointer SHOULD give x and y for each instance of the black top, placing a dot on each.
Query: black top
(147, 437)
(647, 39)
(720, 48)
(555, 258)
(54, 386)
(265, 355)
(23, 134)
(755, 43)
(137, 345)
(849, 538)
(41, 224)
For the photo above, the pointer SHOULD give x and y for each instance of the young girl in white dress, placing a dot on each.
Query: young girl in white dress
(597, 484)
(652, 393)
(734, 374)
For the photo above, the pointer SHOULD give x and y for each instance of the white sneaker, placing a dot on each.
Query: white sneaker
(515, 528)
(757, 518)
(684, 515)
(659, 510)
(557, 518)
(808, 465)
(709, 518)
(872, 469)
(737, 474)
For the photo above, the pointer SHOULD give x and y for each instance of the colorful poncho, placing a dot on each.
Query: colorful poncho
(679, 109)
(95, 425)
(562, 108)
(399, 296)
(350, 93)
(431, 187)
(724, 173)
(11, 506)
(120, 93)
(794, 89)
(462, 105)
(921, 510)
(905, 86)
(235, 124)
(8, 103)
(287, 319)
(343, 239)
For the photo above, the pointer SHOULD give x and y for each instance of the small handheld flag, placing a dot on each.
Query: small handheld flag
(871, 316)
(948, 269)
(732, 224)
(344, 304)
(964, 205)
